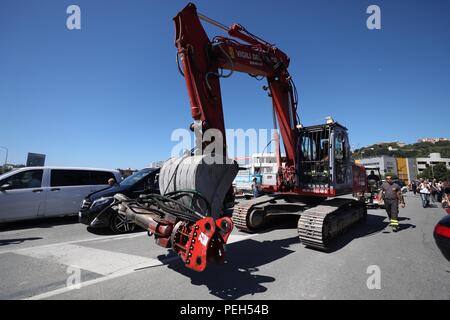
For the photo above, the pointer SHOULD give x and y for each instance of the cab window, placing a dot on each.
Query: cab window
(308, 149)
(339, 147)
(341, 154)
(24, 180)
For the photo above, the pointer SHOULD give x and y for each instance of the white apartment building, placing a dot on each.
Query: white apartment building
(262, 163)
(432, 160)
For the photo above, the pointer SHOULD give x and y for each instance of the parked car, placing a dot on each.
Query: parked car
(96, 210)
(442, 236)
(38, 192)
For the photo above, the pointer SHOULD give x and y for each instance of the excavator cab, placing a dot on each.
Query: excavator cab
(324, 161)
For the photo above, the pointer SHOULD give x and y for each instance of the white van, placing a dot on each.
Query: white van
(37, 192)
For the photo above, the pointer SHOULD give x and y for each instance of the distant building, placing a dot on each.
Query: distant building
(261, 163)
(406, 169)
(243, 160)
(433, 159)
(126, 172)
(157, 164)
(432, 140)
(385, 163)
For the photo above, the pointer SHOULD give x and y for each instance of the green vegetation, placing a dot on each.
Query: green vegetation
(438, 172)
(415, 150)
(9, 167)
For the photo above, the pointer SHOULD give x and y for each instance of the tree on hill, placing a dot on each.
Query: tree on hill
(438, 172)
(415, 150)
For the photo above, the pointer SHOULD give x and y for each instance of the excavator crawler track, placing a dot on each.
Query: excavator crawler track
(318, 226)
(242, 211)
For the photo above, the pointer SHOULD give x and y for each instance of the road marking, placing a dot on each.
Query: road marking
(239, 237)
(99, 261)
(118, 274)
(83, 260)
(231, 239)
(104, 238)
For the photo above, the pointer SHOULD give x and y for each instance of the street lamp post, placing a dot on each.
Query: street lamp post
(6, 158)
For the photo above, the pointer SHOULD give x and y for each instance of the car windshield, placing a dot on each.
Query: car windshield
(135, 177)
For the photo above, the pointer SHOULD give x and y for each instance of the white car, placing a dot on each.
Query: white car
(38, 192)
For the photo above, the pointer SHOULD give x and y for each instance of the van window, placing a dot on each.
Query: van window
(24, 180)
(63, 178)
(101, 177)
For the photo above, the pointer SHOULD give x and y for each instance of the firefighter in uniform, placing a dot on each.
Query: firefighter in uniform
(391, 195)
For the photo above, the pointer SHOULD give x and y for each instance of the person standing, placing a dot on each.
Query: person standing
(414, 186)
(373, 176)
(433, 190)
(255, 188)
(446, 196)
(424, 190)
(391, 195)
(440, 191)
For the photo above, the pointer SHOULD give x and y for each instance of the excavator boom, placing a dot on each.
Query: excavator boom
(203, 62)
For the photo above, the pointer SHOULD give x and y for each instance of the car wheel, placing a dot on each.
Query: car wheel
(120, 224)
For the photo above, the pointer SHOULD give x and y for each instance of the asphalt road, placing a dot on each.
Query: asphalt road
(40, 259)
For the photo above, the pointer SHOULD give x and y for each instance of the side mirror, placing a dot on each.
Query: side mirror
(5, 187)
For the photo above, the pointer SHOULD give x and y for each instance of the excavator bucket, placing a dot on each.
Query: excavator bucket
(203, 174)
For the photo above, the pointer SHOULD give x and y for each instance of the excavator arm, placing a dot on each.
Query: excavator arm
(203, 63)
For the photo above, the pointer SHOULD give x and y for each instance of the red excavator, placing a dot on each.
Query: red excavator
(188, 214)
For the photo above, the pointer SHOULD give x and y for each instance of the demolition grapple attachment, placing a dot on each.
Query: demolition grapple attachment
(195, 238)
(190, 220)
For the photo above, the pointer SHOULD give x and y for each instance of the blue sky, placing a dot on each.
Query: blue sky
(110, 94)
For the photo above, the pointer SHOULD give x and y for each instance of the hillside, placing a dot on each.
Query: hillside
(415, 150)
